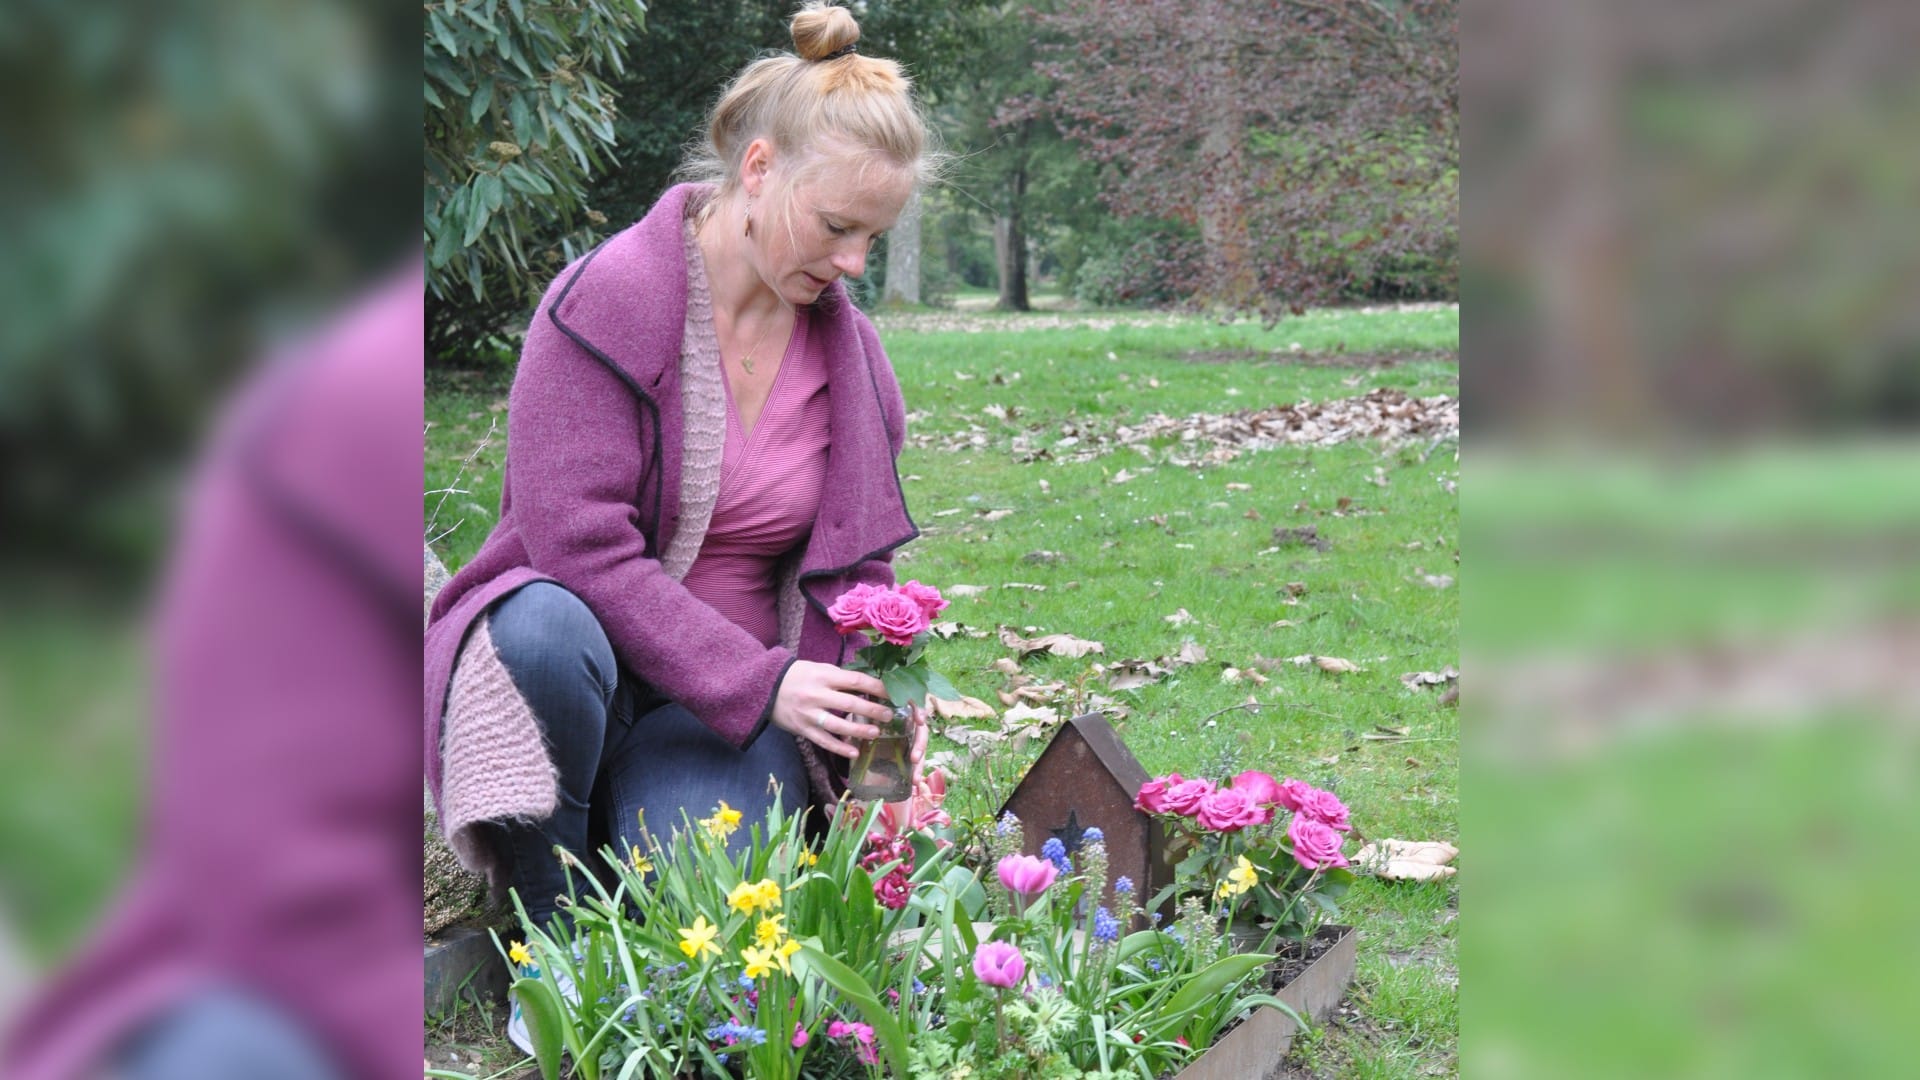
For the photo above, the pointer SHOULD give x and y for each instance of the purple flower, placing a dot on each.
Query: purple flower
(1000, 964)
(1055, 852)
(1105, 926)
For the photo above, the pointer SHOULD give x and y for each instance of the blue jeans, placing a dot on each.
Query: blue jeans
(224, 1033)
(620, 747)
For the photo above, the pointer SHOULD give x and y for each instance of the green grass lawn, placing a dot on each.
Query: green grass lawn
(1119, 544)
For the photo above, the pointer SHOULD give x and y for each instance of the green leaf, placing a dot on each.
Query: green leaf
(433, 96)
(558, 122)
(541, 1007)
(940, 687)
(443, 33)
(1210, 982)
(481, 101)
(519, 9)
(522, 119)
(855, 989)
(905, 686)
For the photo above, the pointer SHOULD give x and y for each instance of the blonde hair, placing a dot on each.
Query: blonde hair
(802, 100)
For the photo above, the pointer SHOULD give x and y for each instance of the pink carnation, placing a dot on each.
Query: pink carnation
(1260, 786)
(1326, 808)
(1230, 810)
(849, 613)
(896, 617)
(1293, 794)
(1153, 794)
(1315, 844)
(1184, 797)
(926, 596)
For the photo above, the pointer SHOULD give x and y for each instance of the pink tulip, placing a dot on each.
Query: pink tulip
(1026, 876)
(1000, 964)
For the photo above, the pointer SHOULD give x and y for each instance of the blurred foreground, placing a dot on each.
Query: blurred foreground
(210, 343)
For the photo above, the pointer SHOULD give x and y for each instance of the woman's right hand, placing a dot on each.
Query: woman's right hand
(823, 704)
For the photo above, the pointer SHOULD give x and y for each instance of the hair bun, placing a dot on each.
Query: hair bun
(820, 30)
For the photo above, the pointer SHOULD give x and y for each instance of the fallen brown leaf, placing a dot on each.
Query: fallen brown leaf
(1407, 860)
(1057, 644)
(964, 590)
(1415, 680)
(1179, 618)
(967, 708)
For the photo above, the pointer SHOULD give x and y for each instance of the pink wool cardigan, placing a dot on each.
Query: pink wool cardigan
(613, 454)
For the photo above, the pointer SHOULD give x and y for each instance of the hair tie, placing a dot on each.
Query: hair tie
(844, 50)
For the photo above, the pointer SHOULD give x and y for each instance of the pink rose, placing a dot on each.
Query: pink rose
(1261, 787)
(1184, 797)
(1230, 810)
(926, 596)
(999, 963)
(1293, 794)
(1026, 876)
(895, 616)
(1326, 808)
(1153, 794)
(849, 613)
(1315, 844)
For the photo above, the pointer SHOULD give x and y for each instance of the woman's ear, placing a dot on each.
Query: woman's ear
(755, 164)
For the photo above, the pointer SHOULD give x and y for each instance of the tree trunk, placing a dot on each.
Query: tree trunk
(1010, 247)
(903, 256)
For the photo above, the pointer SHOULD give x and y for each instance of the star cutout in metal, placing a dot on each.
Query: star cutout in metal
(1071, 835)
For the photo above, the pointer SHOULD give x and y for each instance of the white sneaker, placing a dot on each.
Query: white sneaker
(517, 1033)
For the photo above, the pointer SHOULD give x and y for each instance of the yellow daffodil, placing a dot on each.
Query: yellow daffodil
(641, 862)
(1242, 877)
(698, 938)
(752, 896)
(759, 961)
(769, 931)
(808, 858)
(724, 820)
(520, 954)
(784, 954)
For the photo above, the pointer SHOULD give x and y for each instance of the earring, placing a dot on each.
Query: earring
(749, 228)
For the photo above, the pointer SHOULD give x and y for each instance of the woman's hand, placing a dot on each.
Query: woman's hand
(822, 704)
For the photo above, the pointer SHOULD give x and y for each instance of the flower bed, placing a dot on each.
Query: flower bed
(877, 950)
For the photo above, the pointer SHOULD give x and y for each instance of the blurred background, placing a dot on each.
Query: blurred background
(1075, 179)
(1689, 779)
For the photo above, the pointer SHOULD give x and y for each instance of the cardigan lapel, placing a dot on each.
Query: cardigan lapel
(863, 512)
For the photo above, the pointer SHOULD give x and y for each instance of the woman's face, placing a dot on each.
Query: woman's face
(834, 212)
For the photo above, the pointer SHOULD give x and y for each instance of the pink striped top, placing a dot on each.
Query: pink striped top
(770, 485)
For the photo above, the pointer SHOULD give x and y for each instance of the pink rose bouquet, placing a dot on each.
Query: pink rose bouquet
(897, 620)
(1253, 847)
